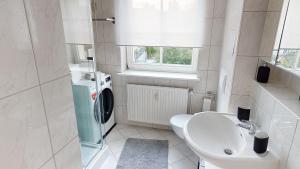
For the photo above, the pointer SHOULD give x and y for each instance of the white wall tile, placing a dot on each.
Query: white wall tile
(49, 165)
(275, 5)
(239, 101)
(245, 71)
(125, 114)
(109, 32)
(263, 110)
(269, 34)
(196, 102)
(112, 55)
(76, 9)
(99, 32)
(25, 139)
(294, 84)
(58, 99)
(212, 81)
(119, 116)
(113, 70)
(108, 9)
(78, 31)
(199, 86)
(118, 95)
(220, 8)
(214, 58)
(17, 67)
(252, 27)
(97, 9)
(100, 54)
(281, 132)
(49, 48)
(69, 157)
(203, 58)
(208, 32)
(294, 157)
(124, 89)
(77, 22)
(217, 31)
(256, 5)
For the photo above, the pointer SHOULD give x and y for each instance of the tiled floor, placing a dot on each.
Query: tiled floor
(180, 156)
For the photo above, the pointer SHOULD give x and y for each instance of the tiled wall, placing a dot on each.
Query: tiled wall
(279, 119)
(256, 35)
(37, 118)
(77, 22)
(110, 61)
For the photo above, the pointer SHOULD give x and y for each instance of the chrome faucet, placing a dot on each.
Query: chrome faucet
(249, 125)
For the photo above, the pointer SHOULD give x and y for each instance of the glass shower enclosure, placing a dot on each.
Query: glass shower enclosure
(80, 48)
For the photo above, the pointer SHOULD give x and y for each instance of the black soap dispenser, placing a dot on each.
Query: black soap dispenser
(263, 74)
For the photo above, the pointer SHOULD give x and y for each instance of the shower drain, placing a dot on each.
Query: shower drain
(228, 151)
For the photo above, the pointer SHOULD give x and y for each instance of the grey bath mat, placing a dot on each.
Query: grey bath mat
(144, 154)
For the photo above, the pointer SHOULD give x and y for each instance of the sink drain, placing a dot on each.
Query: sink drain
(227, 151)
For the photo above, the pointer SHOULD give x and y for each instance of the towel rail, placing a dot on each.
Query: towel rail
(112, 19)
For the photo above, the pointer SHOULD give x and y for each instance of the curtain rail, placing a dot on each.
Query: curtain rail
(112, 19)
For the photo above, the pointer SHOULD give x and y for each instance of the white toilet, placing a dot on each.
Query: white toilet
(177, 123)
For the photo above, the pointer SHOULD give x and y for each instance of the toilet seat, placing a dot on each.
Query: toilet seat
(177, 123)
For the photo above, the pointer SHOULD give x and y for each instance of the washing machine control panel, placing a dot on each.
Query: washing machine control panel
(107, 79)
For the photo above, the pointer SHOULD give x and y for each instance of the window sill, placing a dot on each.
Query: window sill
(161, 75)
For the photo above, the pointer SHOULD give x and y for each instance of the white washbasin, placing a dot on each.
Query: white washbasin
(209, 134)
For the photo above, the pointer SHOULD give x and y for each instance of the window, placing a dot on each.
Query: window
(289, 58)
(171, 59)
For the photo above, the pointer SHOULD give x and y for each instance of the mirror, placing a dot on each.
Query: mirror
(286, 51)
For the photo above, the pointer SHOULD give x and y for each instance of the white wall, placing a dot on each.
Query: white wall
(109, 59)
(37, 117)
(276, 110)
(229, 52)
(251, 34)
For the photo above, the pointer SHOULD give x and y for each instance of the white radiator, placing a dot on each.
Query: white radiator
(155, 104)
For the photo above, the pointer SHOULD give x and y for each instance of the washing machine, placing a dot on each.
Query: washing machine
(91, 110)
(106, 101)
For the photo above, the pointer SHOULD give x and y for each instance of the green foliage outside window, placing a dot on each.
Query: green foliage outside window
(181, 56)
(178, 56)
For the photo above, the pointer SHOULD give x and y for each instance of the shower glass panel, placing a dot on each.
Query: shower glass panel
(80, 49)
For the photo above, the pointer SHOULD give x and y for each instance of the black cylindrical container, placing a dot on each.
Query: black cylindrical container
(243, 114)
(263, 74)
(261, 140)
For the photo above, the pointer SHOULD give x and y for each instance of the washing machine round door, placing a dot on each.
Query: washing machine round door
(106, 101)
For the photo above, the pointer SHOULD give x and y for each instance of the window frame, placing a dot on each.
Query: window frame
(176, 68)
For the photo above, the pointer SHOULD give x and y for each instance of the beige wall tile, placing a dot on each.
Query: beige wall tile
(17, 66)
(69, 157)
(58, 99)
(49, 48)
(49, 165)
(245, 71)
(256, 5)
(281, 132)
(294, 157)
(252, 27)
(25, 139)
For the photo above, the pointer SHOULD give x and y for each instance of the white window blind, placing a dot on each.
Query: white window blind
(177, 23)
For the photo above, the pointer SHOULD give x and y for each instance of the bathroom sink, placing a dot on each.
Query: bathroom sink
(216, 138)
